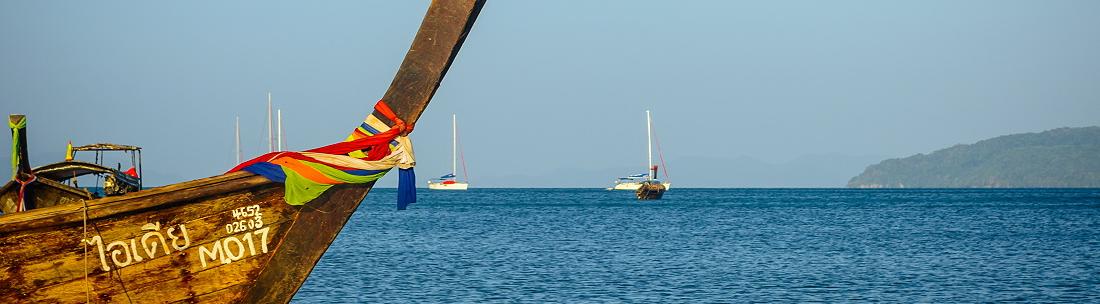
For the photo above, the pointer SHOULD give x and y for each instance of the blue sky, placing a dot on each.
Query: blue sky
(553, 93)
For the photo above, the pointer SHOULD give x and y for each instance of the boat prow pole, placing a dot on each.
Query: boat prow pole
(441, 34)
(20, 164)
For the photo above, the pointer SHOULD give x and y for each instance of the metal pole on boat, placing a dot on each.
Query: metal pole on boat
(237, 139)
(649, 144)
(141, 175)
(270, 142)
(454, 144)
(280, 129)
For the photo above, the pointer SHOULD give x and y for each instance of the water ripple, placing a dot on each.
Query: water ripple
(703, 245)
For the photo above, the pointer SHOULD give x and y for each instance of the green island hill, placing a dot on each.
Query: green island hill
(1058, 158)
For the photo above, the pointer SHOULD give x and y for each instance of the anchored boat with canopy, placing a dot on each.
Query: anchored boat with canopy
(56, 184)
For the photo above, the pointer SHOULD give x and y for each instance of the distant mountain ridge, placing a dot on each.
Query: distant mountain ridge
(1064, 157)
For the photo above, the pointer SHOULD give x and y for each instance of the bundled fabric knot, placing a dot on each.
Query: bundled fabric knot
(308, 174)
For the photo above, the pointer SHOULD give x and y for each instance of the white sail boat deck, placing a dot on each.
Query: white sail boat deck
(633, 182)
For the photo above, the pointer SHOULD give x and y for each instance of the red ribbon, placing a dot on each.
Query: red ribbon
(22, 187)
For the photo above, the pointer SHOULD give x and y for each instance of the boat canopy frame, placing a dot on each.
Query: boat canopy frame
(100, 148)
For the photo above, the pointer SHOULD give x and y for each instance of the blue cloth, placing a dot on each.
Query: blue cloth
(406, 188)
(271, 171)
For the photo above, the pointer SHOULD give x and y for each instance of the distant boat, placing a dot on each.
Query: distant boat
(652, 186)
(449, 181)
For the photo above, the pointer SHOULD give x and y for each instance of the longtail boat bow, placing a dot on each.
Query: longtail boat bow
(223, 239)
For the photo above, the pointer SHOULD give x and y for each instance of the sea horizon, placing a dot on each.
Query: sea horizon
(717, 245)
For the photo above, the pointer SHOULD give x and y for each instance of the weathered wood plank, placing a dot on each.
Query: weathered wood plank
(61, 235)
(146, 199)
(307, 245)
(170, 278)
(41, 193)
(70, 266)
(435, 47)
(231, 294)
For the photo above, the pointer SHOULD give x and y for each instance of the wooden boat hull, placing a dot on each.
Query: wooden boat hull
(40, 193)
(229, 238)
(650, 191)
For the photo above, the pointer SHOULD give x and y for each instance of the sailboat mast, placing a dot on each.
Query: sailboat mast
(270, 142)
(454, 144)
(280, 129)
(649, 144)
(237, 139)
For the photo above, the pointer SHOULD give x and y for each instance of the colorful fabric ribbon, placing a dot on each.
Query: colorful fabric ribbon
(15, 127)
(309, 173)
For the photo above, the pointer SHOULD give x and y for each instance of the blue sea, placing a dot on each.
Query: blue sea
(717, 245)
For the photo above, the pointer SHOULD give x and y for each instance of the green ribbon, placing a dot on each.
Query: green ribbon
(15, 127)
(300, 190)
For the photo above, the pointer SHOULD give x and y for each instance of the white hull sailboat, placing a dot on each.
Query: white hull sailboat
(445, 186)
(450, 181)
(637, 181)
